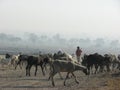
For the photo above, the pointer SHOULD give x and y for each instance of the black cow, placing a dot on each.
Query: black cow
(91, 60)
(98, 61)
(32, 60)
(22, 59)
(8, 55)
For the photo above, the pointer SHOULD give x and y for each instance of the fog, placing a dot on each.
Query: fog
(32, 43)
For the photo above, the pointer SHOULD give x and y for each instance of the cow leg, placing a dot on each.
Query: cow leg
(49, 77)
(88, 67)
(44, 66)
(108, 67)
(20, 65)
(75, 78)
(96, 68)
(36, 70)
(60, 75)
(51, 70)
(42, 70)
(52, 74)
(91, 69)
(66, 78)
(28, 67)
(101, 68)
(17, 63)
(27, 70)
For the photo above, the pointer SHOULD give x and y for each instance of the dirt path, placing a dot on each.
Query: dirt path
(16, 80)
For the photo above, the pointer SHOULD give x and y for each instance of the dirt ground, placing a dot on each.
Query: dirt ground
(11, 79)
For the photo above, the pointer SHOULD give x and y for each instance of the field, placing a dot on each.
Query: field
(11, 79)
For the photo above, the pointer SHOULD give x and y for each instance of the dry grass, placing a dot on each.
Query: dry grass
(114, 84)
(11, 79)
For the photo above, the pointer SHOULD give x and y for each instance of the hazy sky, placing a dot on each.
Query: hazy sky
(94, 25)
(70, 18)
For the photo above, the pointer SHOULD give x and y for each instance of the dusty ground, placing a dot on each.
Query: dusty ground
(11, 79)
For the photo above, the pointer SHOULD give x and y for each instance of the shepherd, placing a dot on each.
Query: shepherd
(78, 53)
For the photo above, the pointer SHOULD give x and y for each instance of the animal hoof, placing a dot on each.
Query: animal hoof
(77, 82)
(53, 84)
(48, 79)
(64, 84)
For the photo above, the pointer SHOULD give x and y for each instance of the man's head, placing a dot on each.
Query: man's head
(78, 47)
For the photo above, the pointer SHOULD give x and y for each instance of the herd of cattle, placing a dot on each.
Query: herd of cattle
(90, 64)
